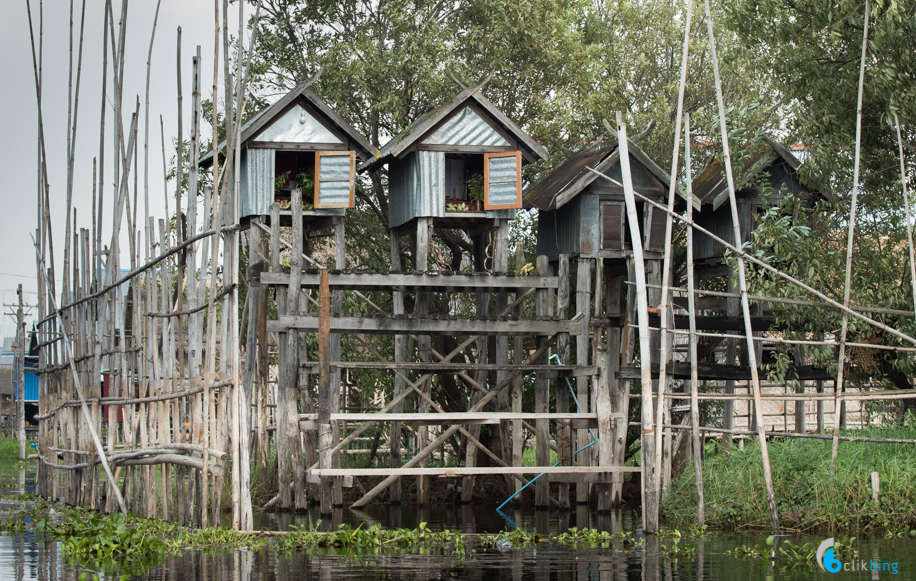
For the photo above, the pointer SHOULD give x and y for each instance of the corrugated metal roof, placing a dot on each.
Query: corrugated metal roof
(302, 90)
(543, 195)
(711, 187)
(410, 137)
(574, 175)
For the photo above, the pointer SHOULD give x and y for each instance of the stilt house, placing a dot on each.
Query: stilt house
(463, 152)
(766, 177)
(583, 214)
(298, 142)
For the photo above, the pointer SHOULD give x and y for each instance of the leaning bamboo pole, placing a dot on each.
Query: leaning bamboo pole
(847, 287)
(79, 391)
(692, 340)
(649, 458)
(906, 207)
(661, 477)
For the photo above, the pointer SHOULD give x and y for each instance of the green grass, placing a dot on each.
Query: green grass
(529, 457)
(9, 448)
(807, 498)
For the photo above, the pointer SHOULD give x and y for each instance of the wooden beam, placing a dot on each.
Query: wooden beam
(429, 325)
(408, 282)
(727, 372)
(476, 471)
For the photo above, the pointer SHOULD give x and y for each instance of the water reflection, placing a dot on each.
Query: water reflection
(24, 557)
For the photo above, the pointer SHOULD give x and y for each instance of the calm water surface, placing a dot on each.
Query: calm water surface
(25, 557)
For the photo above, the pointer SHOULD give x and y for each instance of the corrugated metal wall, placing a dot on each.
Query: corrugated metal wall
(416, 187)
(31, 386)
(558, 231)
(256, 183)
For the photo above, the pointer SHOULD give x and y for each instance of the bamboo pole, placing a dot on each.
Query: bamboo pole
(661, 480)
(649, 458)
(691, 311)
(906, 207)
(742, 279)
(850, 238)
(79, 391)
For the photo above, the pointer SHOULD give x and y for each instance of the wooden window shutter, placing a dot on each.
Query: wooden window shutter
(655, 240)
(334, 179)
(612, 226)
(502, 180)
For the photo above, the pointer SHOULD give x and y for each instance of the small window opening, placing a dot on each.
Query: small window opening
(293, 169)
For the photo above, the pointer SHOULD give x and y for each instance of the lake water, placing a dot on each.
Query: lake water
(26, 557)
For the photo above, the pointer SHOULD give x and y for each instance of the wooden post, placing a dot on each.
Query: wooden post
(284, 468)
(482, 304)
(564, 427)
(800, 419)
(518, 436)
(819, 388)
(542, 396)
(325, 440)
(501, 265)
(614, 398)
(20, 412)
(400, 356)
(424, 232)
(606, 430)
(627, 351)
(583, 304)
(340, 263)
(649, 461)
(255, 267)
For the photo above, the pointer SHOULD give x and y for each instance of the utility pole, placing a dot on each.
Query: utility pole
(20, 330)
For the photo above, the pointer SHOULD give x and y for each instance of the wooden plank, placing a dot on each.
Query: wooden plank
(583, 300)
(450, 417)
(542, 395)
(476, 471)
(704, 323)
(313, 478)
(726, 372)
(310, 425)
(428, 326)
(549, 371)
(430, 281)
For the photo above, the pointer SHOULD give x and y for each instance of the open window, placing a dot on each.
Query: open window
(334, 179)
(502, 181)
(612, 226)
(294, 169)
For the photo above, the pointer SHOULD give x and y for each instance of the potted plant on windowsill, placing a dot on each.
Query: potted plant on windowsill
(475, 193)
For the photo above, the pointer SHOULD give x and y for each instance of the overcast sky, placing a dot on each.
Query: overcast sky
(19, 120)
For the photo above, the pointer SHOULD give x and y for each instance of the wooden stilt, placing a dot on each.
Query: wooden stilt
(325, 426)
(400, 356)
(583, 302)
(542, 395)
(564, 427)
(421, 308)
